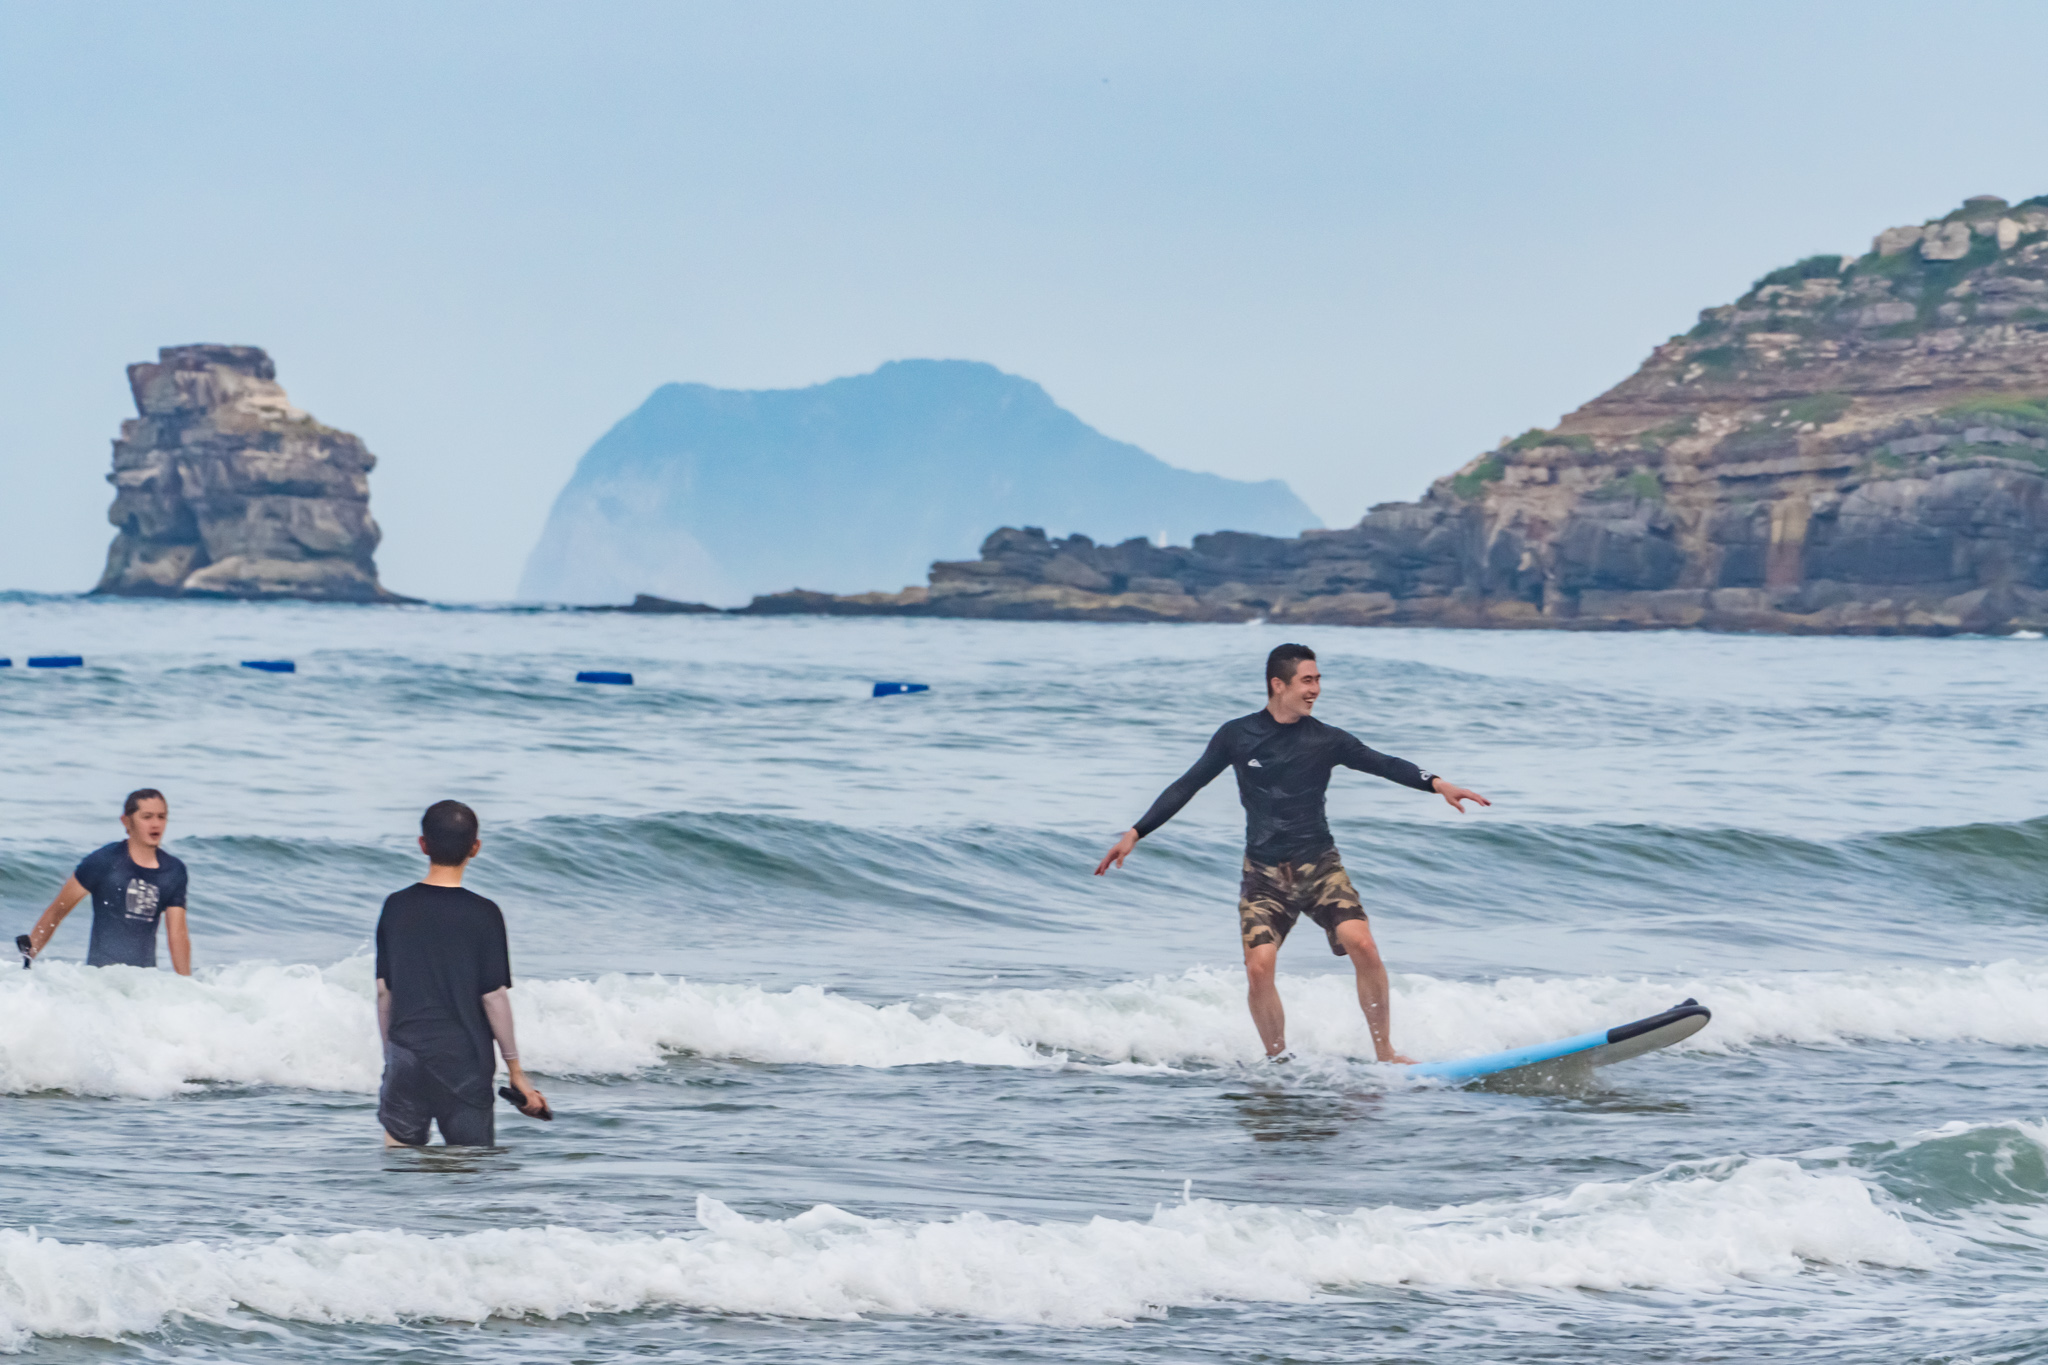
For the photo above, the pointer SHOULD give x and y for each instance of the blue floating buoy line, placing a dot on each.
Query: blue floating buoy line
(602, 676)
(588, 675)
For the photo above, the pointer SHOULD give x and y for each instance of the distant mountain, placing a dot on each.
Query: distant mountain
(718, 494)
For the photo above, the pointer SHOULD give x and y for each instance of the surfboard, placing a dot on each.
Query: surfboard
(1577, 1054)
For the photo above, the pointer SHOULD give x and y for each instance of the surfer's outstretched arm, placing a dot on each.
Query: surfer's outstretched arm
(1207, 768)
(1118, 851)
(68, 897)
(1354, 753)
(1457, 795)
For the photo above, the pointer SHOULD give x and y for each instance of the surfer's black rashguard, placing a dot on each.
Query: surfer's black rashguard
(1283, 772)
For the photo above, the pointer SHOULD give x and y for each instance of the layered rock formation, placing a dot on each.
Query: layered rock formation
(1854, 445)
(224, 489)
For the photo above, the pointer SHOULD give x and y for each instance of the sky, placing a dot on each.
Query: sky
(1349, 245)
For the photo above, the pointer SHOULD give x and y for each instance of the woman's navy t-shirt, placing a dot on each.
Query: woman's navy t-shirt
(440, 951)
(127, 901)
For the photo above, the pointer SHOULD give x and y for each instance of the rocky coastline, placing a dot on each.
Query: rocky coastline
(224, 489)
(1855, 446)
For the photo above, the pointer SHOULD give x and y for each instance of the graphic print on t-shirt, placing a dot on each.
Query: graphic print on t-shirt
(128, 903)
(142, 900)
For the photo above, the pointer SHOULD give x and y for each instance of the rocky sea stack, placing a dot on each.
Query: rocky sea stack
(224, 489)
(1856, 445)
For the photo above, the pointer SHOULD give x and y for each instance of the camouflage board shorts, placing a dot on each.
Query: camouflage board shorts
(1274, 896)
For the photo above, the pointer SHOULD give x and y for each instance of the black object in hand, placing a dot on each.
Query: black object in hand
(27, 949)
(518, 1101)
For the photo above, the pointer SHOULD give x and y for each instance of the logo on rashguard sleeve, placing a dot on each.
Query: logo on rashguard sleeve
(142, 899)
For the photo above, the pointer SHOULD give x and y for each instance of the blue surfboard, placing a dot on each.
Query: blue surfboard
(1577, 1055)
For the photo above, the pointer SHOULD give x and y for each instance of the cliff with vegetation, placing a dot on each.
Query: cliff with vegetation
(223, 489)
(1856, 445)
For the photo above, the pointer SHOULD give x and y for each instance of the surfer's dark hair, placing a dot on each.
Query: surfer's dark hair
(140, 795)
(449, 827)
(1285, 661)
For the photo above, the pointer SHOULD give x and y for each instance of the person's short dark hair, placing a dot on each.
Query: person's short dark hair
(140, 795)
(1285, 661)
(449, 827)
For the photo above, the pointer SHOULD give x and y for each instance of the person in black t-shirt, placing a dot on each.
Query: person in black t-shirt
(1283, 757)
(134, 886)
(444, 979)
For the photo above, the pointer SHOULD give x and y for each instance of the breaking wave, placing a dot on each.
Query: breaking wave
(121, 1031)
(126, 1031)
(1690, 1229)
(1199, 1016)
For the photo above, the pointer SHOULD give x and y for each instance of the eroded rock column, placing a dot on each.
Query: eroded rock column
(224, 489)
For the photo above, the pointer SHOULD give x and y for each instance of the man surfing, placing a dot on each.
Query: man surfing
(1283, 757)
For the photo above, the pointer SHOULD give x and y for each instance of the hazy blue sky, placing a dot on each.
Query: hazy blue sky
(1344, 244)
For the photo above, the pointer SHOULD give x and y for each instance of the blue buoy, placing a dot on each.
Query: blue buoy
(271, 665)
(896, 689)
(595, 675)
(57, 661)
(6, 663)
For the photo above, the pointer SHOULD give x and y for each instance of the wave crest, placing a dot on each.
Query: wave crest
(122, 1031)
(1199, 1016)
(1689, 1230)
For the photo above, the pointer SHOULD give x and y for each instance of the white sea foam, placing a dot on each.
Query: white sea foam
(119, 1031)
(124, 1031)
(618, 1024)
(1200, 1016)
(2033, 1131)
(1691, 1230)
(131, 1031)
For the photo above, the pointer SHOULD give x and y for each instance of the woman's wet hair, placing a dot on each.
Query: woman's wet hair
(449, 827)
(140, 795)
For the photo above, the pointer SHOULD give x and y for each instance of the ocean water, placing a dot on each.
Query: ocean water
(854, 1060)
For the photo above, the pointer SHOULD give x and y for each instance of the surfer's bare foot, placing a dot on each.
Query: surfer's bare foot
(1398, 1059)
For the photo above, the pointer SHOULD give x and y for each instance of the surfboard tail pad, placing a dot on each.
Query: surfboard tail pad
(1575, 1057)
